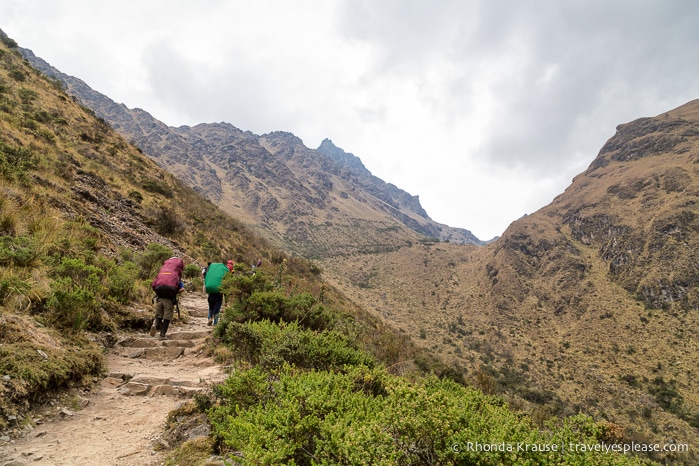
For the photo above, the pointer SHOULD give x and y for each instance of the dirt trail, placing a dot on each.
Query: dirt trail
(123, 417)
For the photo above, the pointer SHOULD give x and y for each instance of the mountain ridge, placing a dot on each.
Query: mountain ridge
(205, 155)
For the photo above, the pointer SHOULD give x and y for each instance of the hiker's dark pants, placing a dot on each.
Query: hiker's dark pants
(215, 303)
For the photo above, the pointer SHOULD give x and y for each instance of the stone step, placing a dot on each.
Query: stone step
(153, 342)
(174, 390)
(198, 312)
(195, 335)
(160, 353)
(159, 388)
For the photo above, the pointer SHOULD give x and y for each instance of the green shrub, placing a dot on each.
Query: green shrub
(9, 42)
(272, 346)
(666, 395)
(245, 389)
(158, 188)
(253, 305)
(18, 75)
(152, 259)
(16, 161)
(165, 221)
(321, 417)
(11, 285)
(136, 196)
(75, 302)
(83, 274)
(18, 250)
(191, 272)
(27, 95)
(74, 307)
(120, 282)
(239, 287)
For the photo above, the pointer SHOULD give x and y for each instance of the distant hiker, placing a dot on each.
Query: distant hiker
(167, 285)
(212, 285)
(203, 275)
(253, 267)
(230, 264)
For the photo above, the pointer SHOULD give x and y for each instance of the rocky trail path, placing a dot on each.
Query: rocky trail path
(120, 421)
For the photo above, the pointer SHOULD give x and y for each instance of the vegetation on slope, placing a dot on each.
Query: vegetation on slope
(302, 392)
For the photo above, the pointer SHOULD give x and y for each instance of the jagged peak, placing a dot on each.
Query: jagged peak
(338, 155)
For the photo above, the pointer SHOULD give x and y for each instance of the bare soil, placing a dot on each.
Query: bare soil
(121, 420)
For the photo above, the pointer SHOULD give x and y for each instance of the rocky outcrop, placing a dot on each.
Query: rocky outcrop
(636, 204)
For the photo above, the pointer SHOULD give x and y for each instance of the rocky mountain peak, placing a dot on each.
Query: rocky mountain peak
(274, 181)
(342, 158)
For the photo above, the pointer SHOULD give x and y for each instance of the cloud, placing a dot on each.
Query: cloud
(485, 109)
(540, 74)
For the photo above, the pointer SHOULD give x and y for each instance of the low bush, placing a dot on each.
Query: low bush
(120, 282)
(272, 346)
(16, 161)
(73, 307)
(152, 259)
(191, 272)
(18, 250)
(254, 297)
(323, 417)
(11, 285)
(157, 187)
(75, 302)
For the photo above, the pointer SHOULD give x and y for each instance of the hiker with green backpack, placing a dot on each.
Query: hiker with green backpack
(212, 285)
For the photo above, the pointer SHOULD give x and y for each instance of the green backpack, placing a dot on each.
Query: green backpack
(213, 278)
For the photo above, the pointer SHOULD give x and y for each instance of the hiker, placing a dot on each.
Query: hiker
(167, 285)
(230, 264)
(212, 285)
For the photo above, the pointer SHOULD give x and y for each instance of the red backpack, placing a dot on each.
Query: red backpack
(167, 283)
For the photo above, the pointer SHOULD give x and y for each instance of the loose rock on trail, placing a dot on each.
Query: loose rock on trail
(120, 422)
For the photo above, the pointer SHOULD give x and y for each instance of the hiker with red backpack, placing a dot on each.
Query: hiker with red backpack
(167, 285)
(212, 285)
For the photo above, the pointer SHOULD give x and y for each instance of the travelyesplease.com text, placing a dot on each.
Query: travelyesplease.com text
(626, 448)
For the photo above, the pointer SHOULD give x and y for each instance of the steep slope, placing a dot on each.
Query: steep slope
(589, 304)
(314, 202)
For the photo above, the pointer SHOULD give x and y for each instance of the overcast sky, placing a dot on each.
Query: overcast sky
(485, 109)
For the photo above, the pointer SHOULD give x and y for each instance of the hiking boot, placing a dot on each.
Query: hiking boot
(163, 329)
(152, 329)
(163, 337)
(210, 321)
